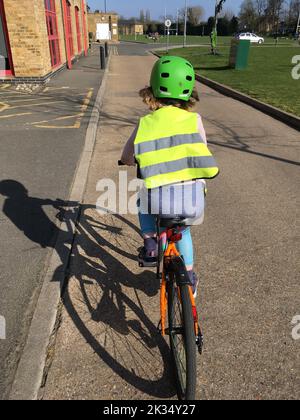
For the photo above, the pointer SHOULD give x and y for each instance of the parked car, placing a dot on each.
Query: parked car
(254, 39)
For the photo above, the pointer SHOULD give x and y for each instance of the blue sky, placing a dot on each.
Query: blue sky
(129, 8)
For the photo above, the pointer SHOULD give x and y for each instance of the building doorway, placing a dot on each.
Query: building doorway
(53, 36)
(77, 16)
(6, 65)
(68, 32)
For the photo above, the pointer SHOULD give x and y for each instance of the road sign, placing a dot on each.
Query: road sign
(168, 23)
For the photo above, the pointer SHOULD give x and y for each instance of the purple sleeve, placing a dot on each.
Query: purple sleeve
(128, 152)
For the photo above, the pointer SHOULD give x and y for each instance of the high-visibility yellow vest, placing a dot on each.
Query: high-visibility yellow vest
(170, 149)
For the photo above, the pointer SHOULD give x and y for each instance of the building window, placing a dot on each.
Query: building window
(6, 66)
(53, 37)
(78, 29)
(69, 35)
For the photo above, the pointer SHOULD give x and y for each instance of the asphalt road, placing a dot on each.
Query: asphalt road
(41, 138)
(247, 258)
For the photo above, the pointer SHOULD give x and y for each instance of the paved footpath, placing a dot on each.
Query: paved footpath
(247, 252)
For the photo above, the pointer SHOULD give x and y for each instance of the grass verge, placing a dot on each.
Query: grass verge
(268, 77)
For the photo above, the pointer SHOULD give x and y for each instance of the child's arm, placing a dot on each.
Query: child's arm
(128, 152)
(201, 129)
(203, 135)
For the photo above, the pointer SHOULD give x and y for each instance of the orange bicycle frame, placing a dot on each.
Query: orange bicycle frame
(170, 252)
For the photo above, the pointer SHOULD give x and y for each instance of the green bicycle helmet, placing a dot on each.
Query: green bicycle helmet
(173, 78)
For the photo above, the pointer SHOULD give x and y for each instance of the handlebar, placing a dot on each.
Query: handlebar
(120, 163)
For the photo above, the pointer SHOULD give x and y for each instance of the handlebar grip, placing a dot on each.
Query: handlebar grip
(120, 163)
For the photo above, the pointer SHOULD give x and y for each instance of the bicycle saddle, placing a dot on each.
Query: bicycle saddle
(173, 222)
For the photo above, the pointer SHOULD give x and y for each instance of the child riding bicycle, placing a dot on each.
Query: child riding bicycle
(169, 145)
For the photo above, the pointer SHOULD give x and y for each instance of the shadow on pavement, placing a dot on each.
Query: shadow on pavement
(232, 140)
(102, 295)
(122, 334)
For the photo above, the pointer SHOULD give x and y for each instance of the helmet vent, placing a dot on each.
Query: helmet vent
(188, 64)
(186, 92)
(166, 62)
(165, 75)
(189, 78)
(163, 89)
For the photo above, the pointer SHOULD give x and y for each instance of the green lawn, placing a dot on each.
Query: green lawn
(175, 40)
(268, 77)
(191, 40)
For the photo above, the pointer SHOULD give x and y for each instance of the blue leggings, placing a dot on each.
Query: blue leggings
(185, 246)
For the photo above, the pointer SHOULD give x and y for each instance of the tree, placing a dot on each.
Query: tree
(142, 16)
(148, 16)
(295, 14)
(223, 26)
(273, 12)
(153, 27)
(228, 14)
(260, 8)
(195, 15)
(234, 25)
(210, 24)
(214, 34)
(248, 15)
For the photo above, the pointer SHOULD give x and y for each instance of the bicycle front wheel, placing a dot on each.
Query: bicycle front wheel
(182, 339)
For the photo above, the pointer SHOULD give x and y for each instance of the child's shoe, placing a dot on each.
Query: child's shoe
(149, 253)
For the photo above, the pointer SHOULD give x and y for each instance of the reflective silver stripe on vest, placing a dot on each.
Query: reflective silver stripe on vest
(167, 142)
(202, 162)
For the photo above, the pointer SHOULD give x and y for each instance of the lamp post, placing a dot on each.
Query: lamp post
(185, 24)
(165, 21)
(105, 8)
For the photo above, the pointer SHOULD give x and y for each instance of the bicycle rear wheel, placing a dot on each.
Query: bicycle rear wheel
(182, 339)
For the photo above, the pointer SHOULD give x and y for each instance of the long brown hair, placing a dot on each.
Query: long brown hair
(156, 103)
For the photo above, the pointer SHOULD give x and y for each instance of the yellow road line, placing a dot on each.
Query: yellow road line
(67, 117)
(87, 100)
(78, 116)
(4, 106)
(15, 115)
(85, 105)
(60, 127)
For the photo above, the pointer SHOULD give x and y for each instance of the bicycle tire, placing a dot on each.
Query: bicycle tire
(186, 369)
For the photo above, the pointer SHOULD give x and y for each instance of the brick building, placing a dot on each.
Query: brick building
(104, 26)
(130, 28)
(39, 37)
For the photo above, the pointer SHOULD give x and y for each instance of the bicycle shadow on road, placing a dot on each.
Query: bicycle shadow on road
(103, 288)
(109, 300)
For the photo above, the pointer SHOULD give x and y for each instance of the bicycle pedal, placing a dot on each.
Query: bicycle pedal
(143, 264)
